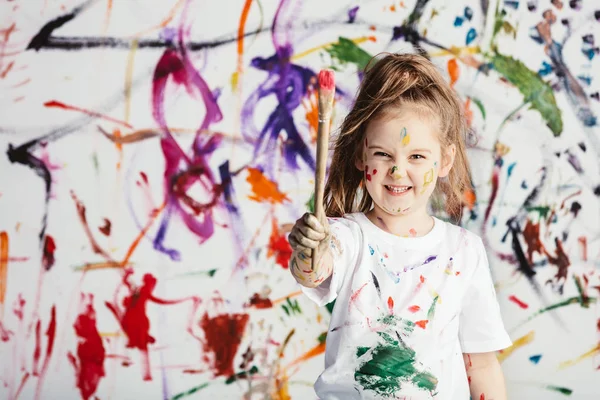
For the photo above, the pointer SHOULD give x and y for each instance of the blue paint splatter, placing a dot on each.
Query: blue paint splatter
(510, 169)
(545, 69)
(458, 21)
(468, 13)
(535, 359)
(512, 4)
(371, 250)
(471, 35)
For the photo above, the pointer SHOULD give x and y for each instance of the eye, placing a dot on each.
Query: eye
(381, 154)
(417, 157)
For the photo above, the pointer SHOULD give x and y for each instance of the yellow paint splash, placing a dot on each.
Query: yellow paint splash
(264, 190)
(587, 354)
(404, 137)
(520, 342)
(427, 180)
(395, 174)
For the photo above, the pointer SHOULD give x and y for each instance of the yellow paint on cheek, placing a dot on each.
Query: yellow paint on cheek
(427, 180)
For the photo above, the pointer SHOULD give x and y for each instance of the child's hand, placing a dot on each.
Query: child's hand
(309, 233)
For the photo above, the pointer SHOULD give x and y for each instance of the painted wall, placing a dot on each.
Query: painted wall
(155, 153)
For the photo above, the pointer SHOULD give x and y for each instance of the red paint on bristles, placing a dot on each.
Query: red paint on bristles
(326, 79)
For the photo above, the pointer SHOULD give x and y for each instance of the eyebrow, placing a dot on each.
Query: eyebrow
(421, 151)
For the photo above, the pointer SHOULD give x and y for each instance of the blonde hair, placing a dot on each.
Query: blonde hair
(395, 80)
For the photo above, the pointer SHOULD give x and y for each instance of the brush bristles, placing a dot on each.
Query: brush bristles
(326, 93)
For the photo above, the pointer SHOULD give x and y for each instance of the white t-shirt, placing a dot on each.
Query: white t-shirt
(406, 309)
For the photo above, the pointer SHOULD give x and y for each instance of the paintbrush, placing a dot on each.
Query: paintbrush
(325, 94)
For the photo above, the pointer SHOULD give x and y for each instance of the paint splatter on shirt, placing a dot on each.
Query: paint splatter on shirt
(406, 309)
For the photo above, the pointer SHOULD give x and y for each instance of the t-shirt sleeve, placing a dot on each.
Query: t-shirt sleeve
(481, 326)
(344, 244)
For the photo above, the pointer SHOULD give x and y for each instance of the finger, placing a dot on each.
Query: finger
(311, 233)
(313, 222)
(304, 241)
(297, 246)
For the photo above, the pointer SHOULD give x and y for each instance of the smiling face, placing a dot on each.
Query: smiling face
(402, 159)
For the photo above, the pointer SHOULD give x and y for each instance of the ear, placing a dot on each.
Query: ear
(360, 165)
(447, 161)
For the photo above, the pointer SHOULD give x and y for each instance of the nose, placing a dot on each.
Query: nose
(397, 172)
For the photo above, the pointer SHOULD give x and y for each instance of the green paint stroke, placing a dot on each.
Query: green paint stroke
(330, 306)
(292, 307)
(535, 91)
(310, 204)
(563, 390)
(345, 51)
(479, 105)
(397, 322)
(389, 367)
(189, 392)
(584, 302)
(322, 337)
(542, 210)
(242, 375)
(431, 311)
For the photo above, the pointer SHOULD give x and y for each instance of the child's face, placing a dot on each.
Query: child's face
(402, 160)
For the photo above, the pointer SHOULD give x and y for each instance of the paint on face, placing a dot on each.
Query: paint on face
(367, 175)
(412, 232)
(404, 137)
(391, 364)
(427, 180)
(395, 174)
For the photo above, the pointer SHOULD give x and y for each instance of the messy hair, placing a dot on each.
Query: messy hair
(392, 81)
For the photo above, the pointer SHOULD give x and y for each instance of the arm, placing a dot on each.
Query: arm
(308, 233)
(486, 379)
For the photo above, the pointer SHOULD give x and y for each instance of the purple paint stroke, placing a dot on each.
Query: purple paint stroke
(289, 83)
(176, 65)
(352, 14)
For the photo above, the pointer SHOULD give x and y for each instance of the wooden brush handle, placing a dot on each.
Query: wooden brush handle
(322, 151)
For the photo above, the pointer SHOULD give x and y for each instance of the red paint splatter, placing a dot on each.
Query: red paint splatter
(598, 325)
(133, 319)
(482, 397)
(391, 304)
(223, 335)
(355, 295)
(412, 232)
(561, 260)
(583, 244)
(279, 246)
(457, 273)
(260, 302)
(89, 363)
(531, 234)
(50, 335)
(38, 348)
(144, 177)
(105, 229)
(469, 379)
(422, 323)
(367, 173)
(5, 334)
(374, 172)
(470, 362)
(518, 302)
(48, 256)
(58, 104)
(414, 309)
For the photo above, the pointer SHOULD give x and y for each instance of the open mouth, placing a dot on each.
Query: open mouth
(397, 190)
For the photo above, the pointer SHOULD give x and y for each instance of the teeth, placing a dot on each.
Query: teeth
(398, 189)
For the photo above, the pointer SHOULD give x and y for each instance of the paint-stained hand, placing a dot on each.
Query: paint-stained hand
(309, 233)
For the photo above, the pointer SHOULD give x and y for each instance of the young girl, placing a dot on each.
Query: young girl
(416, 315)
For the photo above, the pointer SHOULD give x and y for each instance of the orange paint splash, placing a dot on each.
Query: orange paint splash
(468, 112)
(240, 43)
(469, 199)
(3, 268)
(422, 324)
(453, 71)
(264, 190)
(58, 104)
(311, 105)
(391, 304)
(315, 351)
(414, 309)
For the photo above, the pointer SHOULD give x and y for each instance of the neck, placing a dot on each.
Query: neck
(413, 224)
